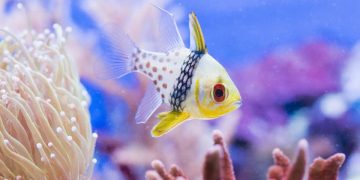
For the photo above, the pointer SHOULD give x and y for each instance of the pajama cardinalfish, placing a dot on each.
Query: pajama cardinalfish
(190, 81)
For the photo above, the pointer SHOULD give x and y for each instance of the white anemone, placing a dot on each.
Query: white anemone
(45, 130)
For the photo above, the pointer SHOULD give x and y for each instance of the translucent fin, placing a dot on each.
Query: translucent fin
(197, 42)
(168, 121)
(150, 102)
(169, 35)
(117, 48)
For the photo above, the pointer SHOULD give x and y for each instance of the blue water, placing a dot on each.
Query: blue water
(236, 30)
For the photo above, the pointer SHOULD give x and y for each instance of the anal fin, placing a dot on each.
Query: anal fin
(168, 121)
(150, 102)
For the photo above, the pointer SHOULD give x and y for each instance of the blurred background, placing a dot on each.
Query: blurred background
(296, 64)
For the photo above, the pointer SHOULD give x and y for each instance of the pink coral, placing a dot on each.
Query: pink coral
(217, 165)
(320, 169)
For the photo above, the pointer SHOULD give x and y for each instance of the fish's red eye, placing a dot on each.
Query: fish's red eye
(219, 93)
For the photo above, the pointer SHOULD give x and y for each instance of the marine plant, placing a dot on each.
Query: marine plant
(45, 130)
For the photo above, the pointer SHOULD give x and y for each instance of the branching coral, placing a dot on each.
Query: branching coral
(320, 169)
(45, 130)
(217, 165)
(160, 172)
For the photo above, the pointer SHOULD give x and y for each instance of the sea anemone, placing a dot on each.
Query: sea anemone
(45, 130)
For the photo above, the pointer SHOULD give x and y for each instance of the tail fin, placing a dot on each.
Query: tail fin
(116, 53)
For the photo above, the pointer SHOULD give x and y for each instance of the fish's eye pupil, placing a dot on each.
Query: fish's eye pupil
(219, 93)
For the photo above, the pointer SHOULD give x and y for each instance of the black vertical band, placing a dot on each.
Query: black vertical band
(184, 81)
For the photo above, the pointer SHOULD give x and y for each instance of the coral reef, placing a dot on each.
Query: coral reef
(319, 169)
(284, 93)
(217, 165)
(45, 129)
(351, 76)
(286, 82)
(301, 89)
(36, 15)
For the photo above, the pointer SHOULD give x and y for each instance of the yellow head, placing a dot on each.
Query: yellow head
(213, 93)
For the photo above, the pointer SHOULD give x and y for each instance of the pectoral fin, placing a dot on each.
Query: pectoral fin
(168, 121)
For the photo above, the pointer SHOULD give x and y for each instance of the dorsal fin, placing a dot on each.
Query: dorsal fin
(169, 34)
(197, 42)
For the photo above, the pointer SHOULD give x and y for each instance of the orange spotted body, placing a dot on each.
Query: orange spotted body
(161, 68)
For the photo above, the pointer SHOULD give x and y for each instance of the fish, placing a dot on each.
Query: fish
(188, 80)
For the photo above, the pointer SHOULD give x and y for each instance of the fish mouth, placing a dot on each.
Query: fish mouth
(237, 103)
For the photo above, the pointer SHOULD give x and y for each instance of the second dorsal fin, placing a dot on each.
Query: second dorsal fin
(197, 42)
(169, 34)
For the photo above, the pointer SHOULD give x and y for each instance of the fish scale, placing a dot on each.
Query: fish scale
(162, 68)
(184, 81)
